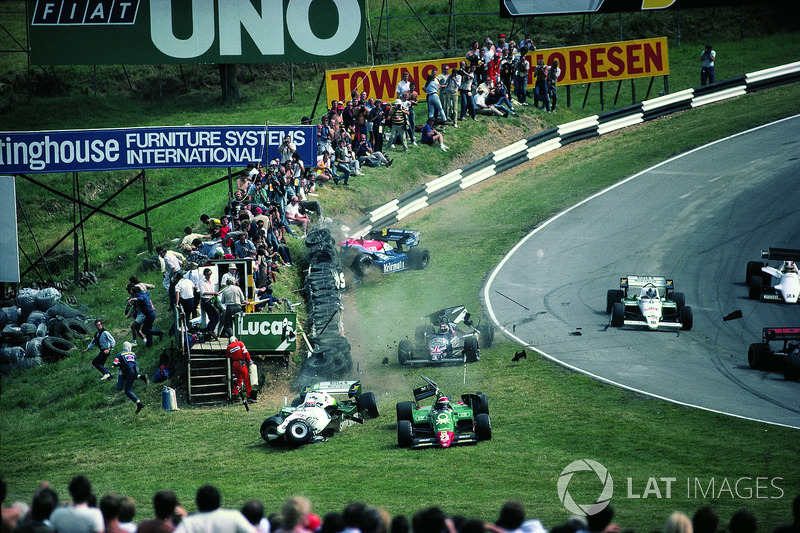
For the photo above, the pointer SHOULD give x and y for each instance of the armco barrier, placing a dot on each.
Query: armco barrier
(524, 150)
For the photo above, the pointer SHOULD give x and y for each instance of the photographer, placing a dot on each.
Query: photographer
(399, 124)
(452, 81)
(707, 58)
(465, 89)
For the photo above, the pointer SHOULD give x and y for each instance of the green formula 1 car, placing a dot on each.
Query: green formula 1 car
(444, 423)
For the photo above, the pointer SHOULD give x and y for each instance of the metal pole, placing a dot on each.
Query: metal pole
(148, 229)
(75, 253)
(388, 41)
(678, 19)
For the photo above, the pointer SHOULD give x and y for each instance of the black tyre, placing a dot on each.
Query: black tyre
(318, 236)
(680, 300)
(363, 265)
(482, 405)
(753, 269)
(483, 427)
(76, 326)
(758, 355)
(33, 348)
(405, 411)
(11, 355)
(367, 404)
(405, 435)
(55, 348)
(298, 433)
(419, 258)
(471, 350)
(613, 296)
(342, 364)
(64, 311)
(686, 317)
(487, 335)
(319, 363)
(269, 429)
(792, 369)
(405, 352)
(756, 288)
(297, 402)
(618, 314)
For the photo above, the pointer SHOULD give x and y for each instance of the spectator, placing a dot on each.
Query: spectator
(190, 236)
(343, 163)
(136, 326)
(706, 520)
(552, 79)
(540, 87)
(295, 216)
(268, 300)
(144, 305)
(324, 137)
(129, 368)
(521, 69)
(429, 135)
(431, 89)
(506, 69)
(253, 510)
(369, 157)
(105, 342)
(409, 101)
(44, 503)
(498, 97)
(332, 523)
(231, 299)
(170, 263)
(528, 43)
(110, 506)
(482, 108)
(678, 523)
(10, 515)
(794, 527)
(399, 117)
(244, 248)
(79, 517)
(352, 515)
(127, 511)
(184, 292)
(167, 511)
(286, 149)
(403, 86)
(211, 517)
(743, 521)
(707, 58)
(465, 90)
(295, 515)
(399, 524)
(212, 224)
(377, 117)
(208, 292)
(430, 520)
(452, 81)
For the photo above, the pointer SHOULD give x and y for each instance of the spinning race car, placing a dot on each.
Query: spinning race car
(319, 412)
(775, 284)
(446, 341)
(784, 358)
(376, 254)
(649, 301)
(445, 422)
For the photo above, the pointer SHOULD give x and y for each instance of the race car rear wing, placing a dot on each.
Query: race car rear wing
(663, 285)
(349, 388)
(780, 334)
(781, 254)
(402, 237)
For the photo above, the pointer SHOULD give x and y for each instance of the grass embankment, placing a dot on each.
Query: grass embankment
(59, 420)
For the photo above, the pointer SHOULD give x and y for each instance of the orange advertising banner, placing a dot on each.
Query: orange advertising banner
(579, 64)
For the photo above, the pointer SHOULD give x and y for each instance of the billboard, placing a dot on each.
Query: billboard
(267, 332)
(103, 32)
(524, 8)
(579, 64)
(144, 148)
(9, 243)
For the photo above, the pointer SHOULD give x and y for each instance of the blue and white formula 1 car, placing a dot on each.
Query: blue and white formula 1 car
(375, 253)
(649, 301)
(775, 284)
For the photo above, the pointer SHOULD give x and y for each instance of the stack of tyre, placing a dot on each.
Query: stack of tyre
(37, 328)
(323, 283)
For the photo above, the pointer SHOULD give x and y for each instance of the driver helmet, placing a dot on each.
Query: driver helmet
(442, 403)
(789, 266)
(652, 293)
(444, 328)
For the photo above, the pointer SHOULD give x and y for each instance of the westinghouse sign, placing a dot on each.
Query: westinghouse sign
(142, 148)
(96, 32)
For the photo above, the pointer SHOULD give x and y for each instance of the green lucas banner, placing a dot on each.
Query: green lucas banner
(136, 32)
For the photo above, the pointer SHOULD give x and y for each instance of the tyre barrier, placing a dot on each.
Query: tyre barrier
(47, 298)
(64, 311)
(70, 328)
(12, 315)
(37, 317)
(55, 349)
(33, 348)
(10, 355)
(28, 363)
(27, 302)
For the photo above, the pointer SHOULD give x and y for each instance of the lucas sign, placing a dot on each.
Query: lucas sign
(107, 32)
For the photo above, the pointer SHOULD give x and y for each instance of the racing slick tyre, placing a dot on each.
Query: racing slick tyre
(419, 258)
(363, 265)
(680, 300)
(613, 296)
(405, 411)
(757, 355)
(366, 404)
(319, 364)
(753, 269)
(483, 427)
(471, 350)
(482, 406)
(487, 335)
(792, 369)
(269, 429)
(318, 236)
(756, 287)
(404, 352)
(55, 348)
(342, 364)
(404, 434)
(618, 314)
(686, 317)
(298, 432)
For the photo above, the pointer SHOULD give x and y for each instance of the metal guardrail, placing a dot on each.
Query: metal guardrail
(524, 150)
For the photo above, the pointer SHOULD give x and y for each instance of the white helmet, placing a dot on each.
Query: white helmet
(232, 339)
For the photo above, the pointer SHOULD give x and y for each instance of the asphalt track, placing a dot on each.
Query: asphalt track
(698, 219)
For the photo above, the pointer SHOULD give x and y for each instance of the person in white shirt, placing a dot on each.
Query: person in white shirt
(212, 517)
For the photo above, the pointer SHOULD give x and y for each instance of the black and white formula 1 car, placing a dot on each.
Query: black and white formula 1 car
(452, 338)
(649, 301)
(775, 284)
(783, 356)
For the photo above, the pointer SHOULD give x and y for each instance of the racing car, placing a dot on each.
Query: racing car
(775, 284)
(446, 341)
(320, 411)
(649, 301)
(385, 251)
(786, 358)
(443, 423)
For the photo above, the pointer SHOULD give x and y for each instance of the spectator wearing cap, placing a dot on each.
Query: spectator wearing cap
(232, 273)
(501, 42)
(482, 108)
(295, 216)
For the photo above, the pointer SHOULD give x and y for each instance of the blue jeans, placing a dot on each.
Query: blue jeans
(435, 106)
(341, 167)
(212, 314)
(540, 93)
(100, 360)
(127, 383)
(520, 88)
(467, 105)
(707, 75)
(147, 329)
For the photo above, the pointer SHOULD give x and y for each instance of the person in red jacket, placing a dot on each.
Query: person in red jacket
(240, 360)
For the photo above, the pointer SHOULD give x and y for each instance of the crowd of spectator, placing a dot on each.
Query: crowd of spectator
(116, 514)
